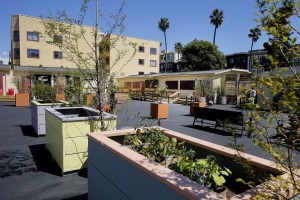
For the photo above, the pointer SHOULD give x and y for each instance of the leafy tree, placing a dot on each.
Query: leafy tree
(216, 18)
(277, 131)
(164, 25)
(178, 48)
(94, 62)
(202, 55)
(254, 34)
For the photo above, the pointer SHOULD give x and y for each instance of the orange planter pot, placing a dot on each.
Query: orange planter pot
(90, 99)
(22, 100)
(60, 96)
(159, 110)
(195, 104)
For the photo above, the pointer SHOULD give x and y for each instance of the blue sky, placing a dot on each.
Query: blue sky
(188, 20)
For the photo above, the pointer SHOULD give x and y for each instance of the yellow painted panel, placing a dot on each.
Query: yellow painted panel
(75, 162)
(76, 145)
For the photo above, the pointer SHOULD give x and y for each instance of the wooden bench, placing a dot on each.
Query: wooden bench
(219, 117)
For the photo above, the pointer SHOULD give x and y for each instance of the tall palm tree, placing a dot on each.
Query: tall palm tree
(163, 25)
(178, 48)
(216, 18)
(254, 34)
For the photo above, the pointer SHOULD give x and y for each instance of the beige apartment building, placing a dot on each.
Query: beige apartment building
(30, 51)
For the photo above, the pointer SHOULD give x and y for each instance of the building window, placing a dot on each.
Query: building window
(231, 60)
(136, 85)
(127, 85)
(57, 55)
(173, 85)
(33, 53)
(151, 83)
(33, 36)
(141, 73)
(187, 85)
(152, 63)
(141, 49)
(16, 53)
(57, 39)
(153, 51)
(16, 36)
(141, 61)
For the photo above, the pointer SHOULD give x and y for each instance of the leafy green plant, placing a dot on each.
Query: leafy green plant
(43, 92)
(155, 145)
(75, 94)
(160, 91)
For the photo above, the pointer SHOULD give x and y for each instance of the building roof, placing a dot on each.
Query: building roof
(192, 73)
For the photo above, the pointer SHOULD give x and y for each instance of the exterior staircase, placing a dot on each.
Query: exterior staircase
(7, 98)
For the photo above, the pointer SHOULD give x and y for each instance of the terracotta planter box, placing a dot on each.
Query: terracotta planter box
(66, 130)
(196, 104)
(60, 97)
(38, 115)
(159, 110)
(22, 100)
(90, 99)
(117, 172)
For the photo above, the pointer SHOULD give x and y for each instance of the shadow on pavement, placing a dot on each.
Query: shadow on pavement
(28, 130)
(43, 159)
(79, 197)
(16, 162)
(210, 129)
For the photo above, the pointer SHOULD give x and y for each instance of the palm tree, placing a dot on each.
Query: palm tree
(254, 35)
(163, 25)
(178, 48)
(216, 18)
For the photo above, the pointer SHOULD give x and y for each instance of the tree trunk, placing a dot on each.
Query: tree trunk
(166, 63)
(250, 63)
(215, 35)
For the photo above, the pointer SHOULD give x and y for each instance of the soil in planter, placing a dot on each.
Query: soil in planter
(77, 112)
(233, 187)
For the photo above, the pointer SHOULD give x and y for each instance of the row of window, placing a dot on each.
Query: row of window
(153, 63)
(35, 53)
(153, 51)
(34, 36)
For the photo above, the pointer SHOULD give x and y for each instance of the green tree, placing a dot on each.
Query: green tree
(94, 63)
(216, 18)
(164, 25)
(277, 131)
(254, 34)
(202, 55)
(178, 48)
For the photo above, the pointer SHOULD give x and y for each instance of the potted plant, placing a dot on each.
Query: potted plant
(222, 91)
(159, 109)
(44, 97)
(111, 161)
(19, 80)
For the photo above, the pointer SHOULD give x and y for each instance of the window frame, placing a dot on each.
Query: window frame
(153, 61)
(31, 54)
(152, 48)
(32, 39)
(58, 57)
(142, 63)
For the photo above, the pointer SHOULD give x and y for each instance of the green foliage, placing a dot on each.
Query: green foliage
(202, 55)
(216, 18)
(75, 94)
(161, 92)
(155, 145)
(43, 92)
(206, 89)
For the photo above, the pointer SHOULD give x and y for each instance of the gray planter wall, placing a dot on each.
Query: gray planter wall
(38, 115)
(114, 178)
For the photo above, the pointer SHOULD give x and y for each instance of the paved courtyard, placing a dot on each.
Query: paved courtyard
(28, 172)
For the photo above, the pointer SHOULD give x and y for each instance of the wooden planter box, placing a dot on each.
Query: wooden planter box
(38, 115)
(22, 100)
(60, 97)
(66, 134)
(117, 172)
(196, 104)
(159, 110)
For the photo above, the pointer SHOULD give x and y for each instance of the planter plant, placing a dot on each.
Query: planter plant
(152, 159)
(222, 91)
(159, 109)
(22, 97)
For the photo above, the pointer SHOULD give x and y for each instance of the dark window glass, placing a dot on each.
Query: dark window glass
(172, 85)
(153, 51)
(33, 53)
(16, 36)
(151, 83)
(57, 55)
(16, 53)
(187, 85)
(152, 63)
(33, 36)
(141, 49)
(141, 73)
(141, 61)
